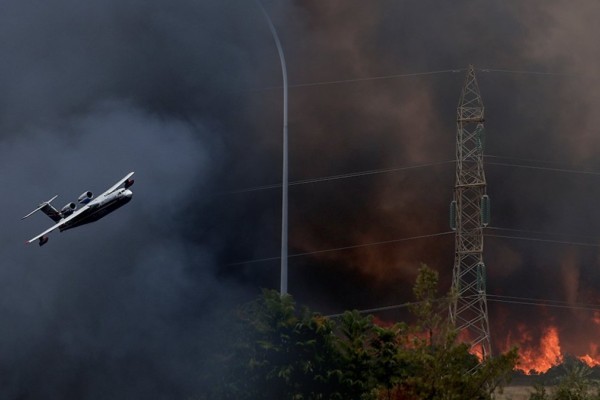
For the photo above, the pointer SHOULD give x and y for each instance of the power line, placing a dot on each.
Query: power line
(570, 171)
(593, 238)
(386, 308)
(390, 170)
(337, 177)
(521, 159)
(335, 249)
(496, 298)
(413, 74)
(539, 304)
(366, 79)
(408, 167)
(382, 77)
(523, 72)
(545, 301)
(543, 240)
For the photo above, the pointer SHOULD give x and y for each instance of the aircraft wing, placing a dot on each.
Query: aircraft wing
(116, 185)
(59, 224)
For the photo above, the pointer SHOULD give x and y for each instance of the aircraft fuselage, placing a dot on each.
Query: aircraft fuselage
(100, 207)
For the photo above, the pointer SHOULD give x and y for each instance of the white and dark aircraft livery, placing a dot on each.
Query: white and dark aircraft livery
(92, 208)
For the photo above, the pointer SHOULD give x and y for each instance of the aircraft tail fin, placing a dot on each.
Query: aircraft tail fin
(47, 209)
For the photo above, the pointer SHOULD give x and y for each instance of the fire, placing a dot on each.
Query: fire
(548, 353)
(592, 362)
(593, 358)
(596, 317)
(544, 357)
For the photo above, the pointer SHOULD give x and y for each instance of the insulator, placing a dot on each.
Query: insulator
(485, 210)
(481, 277)
(480, 135)
(453, 215)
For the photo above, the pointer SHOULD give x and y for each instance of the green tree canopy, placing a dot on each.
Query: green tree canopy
(286, 352)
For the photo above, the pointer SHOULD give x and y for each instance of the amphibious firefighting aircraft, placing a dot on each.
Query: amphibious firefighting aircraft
(92, 208)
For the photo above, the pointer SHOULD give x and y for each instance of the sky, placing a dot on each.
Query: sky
(188, 95)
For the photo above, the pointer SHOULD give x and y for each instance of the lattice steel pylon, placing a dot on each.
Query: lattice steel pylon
(469, 214)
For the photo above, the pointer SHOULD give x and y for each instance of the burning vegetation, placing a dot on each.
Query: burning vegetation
(539, 356)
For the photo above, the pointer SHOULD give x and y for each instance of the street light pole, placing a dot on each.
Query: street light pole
(284, 195)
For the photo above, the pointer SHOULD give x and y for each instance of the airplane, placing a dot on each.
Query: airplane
(92, 208)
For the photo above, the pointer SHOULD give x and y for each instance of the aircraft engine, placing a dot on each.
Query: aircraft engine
(85, 197)
(68, 209)
(128, 183)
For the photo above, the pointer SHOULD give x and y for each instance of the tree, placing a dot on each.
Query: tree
(355, 356)
(539, 393)
(390, 357)
(291, 354)
(575, 383)
(428, 307)
(441, 367)
(285, 353)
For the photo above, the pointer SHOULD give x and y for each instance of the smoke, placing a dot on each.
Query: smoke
(547, 115)
(560, 127)
(131, 305)
(186, 96)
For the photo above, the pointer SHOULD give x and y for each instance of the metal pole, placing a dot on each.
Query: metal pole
(284, 195)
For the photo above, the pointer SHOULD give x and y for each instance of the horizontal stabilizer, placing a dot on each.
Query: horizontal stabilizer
(44, 204)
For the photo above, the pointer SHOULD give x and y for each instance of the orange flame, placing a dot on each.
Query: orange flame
(596, 317)
(593, 358)
(545, 356)
(592, 362)
(539, 359)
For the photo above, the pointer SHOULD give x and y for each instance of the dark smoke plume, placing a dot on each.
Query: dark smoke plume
(186, 95)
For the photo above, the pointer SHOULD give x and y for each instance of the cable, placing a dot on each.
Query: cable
(519, 159)
(259, 260)
(523, 72)
(342, 248)
(405, 168)
(386, 308)
(570, 171)
(526, 303)
(555, 168)
(543, 240)
(389, 170)
(542, 233)
(336, 177)
(490, 298)
(543, 301)
(365, 79)
(412, 74)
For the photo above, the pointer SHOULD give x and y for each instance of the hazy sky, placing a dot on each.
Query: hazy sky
(186, 95)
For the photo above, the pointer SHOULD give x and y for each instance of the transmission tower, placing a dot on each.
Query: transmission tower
(469, 214)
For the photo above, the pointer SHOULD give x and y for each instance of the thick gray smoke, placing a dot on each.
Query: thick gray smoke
(127, 307)
(131, 306)
(546, 114)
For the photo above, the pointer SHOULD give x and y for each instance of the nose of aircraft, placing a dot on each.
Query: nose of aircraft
(128, 193)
